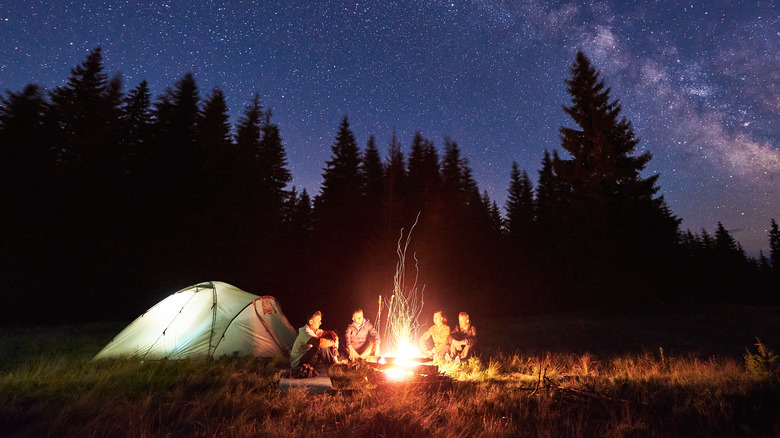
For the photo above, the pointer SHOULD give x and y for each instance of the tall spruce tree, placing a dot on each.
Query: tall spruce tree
(209, 161)
(248, 135)
(137, 121)
(423, 175)
(176, 117)
(272, 171)
(774, 247)
(340, 195)
(394, 205)
(549, 200)
(618, 232)
(137, 114)
(75, 108)
(451, 166)
(372, 174)
(24, 149)
(214, 139)
(520, 209)
(338, 225)
(371, 171)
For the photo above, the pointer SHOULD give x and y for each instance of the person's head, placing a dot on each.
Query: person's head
(357, 316)
(463, 319)
(439, 318)
(315, 320)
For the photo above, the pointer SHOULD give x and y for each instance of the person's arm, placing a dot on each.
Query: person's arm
(374, 335)
(348, 335)
(471, 336)
(446, 332)
(424, 338)
(312, 342)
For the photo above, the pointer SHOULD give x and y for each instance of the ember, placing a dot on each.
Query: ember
(415, 371)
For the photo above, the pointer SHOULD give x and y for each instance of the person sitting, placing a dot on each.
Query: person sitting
(362, 338)
(463, 339)
(435, 341)
(314, 346)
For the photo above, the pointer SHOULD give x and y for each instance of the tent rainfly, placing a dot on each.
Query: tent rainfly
(209, 319)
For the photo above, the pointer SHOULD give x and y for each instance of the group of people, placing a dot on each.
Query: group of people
(315, 346)
(440, 341)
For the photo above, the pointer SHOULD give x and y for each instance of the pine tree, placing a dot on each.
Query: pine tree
(497, 224)
(26, 164)
(371, 172)
(774, 247)
(248, 134)
(395, 184)
(726, 247)
(209, 158)
(110, 126)
(520, 209)
(729, 267)
(620, 234)
(452, 181)
(24, 152)
(213, 130)
(423, 174)
(75, 107)
(176, 116)
(137, 119)
(341, 187)
(602, 174)
(338, 225)
(549, 200)
(272, 170)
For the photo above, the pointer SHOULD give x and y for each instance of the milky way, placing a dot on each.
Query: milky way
(699, 83)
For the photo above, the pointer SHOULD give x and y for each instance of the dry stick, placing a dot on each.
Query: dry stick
(539, 381)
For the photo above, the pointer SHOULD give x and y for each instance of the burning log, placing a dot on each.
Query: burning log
(417, 372)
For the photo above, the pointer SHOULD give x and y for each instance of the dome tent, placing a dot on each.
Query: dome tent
(210, 319)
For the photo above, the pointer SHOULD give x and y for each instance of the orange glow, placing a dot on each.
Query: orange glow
(402, 366)
(397, 373)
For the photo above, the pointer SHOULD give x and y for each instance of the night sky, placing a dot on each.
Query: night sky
(700, 83)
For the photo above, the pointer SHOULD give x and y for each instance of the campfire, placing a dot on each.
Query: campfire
(407, 368)
(405, 365)
(401, 368)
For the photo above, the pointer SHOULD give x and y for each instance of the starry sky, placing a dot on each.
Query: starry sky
(700, 81)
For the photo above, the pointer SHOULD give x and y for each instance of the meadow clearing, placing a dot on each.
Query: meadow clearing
(690, 373)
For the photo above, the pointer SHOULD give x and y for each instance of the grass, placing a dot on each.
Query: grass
(50, 387)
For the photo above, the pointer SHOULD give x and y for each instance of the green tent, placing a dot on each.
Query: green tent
(209, 319)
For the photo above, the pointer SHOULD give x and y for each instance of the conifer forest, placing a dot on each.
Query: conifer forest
(113, 199)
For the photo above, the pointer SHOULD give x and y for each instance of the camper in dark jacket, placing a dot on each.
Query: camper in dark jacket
(362, 338)
(463, 339)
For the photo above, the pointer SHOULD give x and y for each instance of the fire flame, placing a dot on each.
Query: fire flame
(401, 365)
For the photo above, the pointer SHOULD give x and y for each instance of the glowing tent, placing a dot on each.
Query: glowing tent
(209, 319)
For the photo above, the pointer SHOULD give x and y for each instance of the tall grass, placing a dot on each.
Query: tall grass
(63, 393)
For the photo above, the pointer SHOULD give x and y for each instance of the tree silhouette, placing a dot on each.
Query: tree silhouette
(395, 185)
(774, 247)
(342, 182)
(137, 120)
(520, 210)
(423, 176)
(618, 232)
(75, 108)
(103, 188)
(272, 172)
(338, 226)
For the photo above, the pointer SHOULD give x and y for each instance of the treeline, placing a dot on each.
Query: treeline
(113, 200)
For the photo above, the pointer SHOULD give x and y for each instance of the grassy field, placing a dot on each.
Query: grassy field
(681, 374)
